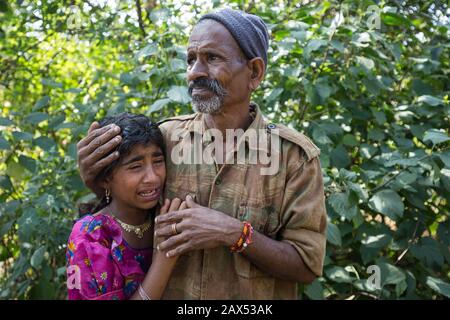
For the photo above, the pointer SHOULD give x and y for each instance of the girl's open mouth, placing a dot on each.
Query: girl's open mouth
(150, 195)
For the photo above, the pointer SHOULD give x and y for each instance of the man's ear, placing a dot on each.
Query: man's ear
(257, 70)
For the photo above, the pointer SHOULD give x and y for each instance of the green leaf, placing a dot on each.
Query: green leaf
(315, 290)
(61, 271)
(445, 157)
(5, 6)
(299, 35)
(27, 163)
(366, 62)
(403, 162)
(339, 157)
(74, 90)
(274, 94)
(179, 94)
(312, 96)
(5, 122)
(361, 39)
(44, 143)
(378, 241)
(44, 289)
(4, 145)
(323, 89)
(5, 183)
(54, 121)
(36, 117)
(436, 136)
(15, 170)
(439, 286)
(400, 288)
(148, 50)
(337, 45)
(347, 175)
(20, 136)
(51, 83)
(41, 103)
(5, 228)
(430, 100)
(38, 257)
(320, 136)
(387, 202)
(372, 85)
(339, 275)
(127, 78)
(380, 116)
(428, 251)
(28, 223)
(341, 203)
(394, 19)
(390, 274)
(359, 190)
(157, 15)
(158, 105)
(350, 140)
(177, 64)
(333, 234)
(314, 45)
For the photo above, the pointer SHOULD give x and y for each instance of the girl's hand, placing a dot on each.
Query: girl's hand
(174, 205)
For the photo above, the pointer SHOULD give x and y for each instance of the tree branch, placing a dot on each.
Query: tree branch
(139, 13)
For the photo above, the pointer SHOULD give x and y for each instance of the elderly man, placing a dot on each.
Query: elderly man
(245, 235)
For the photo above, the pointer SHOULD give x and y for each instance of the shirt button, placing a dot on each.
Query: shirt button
(271, 126)
(218, 181)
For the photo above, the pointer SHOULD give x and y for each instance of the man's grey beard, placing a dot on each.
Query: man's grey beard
(207, 105)
(211, 105)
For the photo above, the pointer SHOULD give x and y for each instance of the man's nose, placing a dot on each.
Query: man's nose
(198, 70)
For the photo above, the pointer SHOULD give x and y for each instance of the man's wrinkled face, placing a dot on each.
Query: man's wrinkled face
(217, 70)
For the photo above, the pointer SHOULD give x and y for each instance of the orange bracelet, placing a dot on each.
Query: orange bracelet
(248, 240)
(245, 238)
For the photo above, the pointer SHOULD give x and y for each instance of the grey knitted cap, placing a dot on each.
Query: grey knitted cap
(249, 31)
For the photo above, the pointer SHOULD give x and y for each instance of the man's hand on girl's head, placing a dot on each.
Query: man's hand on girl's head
(94, 152)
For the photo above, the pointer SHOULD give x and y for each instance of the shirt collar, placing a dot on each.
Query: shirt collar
(258, 125)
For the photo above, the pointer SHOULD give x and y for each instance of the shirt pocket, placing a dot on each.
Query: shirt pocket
(264, 218)
(182, 182)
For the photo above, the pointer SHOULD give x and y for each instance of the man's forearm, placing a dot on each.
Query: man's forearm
(280, 259)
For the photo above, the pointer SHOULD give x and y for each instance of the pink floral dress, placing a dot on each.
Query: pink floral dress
(100, 264)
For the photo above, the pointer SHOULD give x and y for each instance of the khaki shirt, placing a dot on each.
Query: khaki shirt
(287, 206)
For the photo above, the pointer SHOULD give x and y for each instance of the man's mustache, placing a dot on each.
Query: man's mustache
(209, 84)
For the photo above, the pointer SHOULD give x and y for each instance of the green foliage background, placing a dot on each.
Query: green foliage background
(375, 99)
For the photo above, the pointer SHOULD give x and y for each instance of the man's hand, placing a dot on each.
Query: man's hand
(169, 206)
(198, 228)
(204, 228)
(94, 152)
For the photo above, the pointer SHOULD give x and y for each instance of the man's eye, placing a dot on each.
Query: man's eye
(134, 167)
(190, 61)
(213, 57)
(159, 161)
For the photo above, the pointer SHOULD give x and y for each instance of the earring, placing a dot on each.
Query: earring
(107, 193)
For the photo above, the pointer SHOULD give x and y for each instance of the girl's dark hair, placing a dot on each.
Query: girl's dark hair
(135, 129)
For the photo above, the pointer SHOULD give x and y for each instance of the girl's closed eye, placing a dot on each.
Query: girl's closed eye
(135, 166)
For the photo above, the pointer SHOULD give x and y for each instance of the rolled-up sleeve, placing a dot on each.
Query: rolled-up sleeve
(304, 216)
